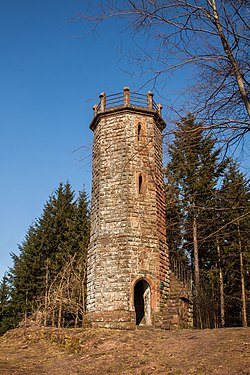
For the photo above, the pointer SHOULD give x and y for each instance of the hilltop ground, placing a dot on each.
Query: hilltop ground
(89, 352)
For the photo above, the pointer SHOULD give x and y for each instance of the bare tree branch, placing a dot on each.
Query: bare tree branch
(211, 36)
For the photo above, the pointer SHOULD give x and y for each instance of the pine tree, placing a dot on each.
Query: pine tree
(82, 223)
(174, 218)
(7, 316)
(56, 227)
(56, 240)
(82, 233)
(194, 169)
(67, 289)
(26, 275)
(234, 238)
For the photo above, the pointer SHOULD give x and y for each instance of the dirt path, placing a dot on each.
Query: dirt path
(144, 352)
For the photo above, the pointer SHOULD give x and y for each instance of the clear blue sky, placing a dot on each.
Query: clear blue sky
(52, 71)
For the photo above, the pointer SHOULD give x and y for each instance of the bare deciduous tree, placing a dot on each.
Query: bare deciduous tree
(210, 36)
(64, 301)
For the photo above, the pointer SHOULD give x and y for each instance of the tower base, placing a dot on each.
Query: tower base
(112, 319)
(177, 313)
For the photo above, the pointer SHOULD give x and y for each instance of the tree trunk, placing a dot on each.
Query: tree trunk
(242, 276)
(196, 255)
(46, 292)
(197, 275)
(229, 53)
(213, 316)
(53, 317)
(222, 301)
(60, 310)
(26, 308)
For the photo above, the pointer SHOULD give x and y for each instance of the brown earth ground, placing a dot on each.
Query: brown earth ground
(51, 351)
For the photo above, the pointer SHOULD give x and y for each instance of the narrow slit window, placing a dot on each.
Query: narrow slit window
(139, 132)
(140, 184)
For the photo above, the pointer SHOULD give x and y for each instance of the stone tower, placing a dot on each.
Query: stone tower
(127, 266)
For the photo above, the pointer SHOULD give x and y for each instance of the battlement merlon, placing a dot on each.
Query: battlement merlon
(127, 101)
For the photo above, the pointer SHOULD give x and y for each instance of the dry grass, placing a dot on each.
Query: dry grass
(91, 351)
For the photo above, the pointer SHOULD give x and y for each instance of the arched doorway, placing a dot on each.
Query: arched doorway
(142, 302)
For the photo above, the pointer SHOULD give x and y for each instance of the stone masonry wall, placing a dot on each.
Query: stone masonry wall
(128, 238)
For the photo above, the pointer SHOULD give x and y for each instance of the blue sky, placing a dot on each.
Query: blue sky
(52, 71)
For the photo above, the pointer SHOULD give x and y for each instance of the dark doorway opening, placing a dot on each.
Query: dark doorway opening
(142, 303)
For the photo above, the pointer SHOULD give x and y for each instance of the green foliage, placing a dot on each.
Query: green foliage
(59, 236)
(234, 198)
(7, 315)
(216, 195)
(191, 178)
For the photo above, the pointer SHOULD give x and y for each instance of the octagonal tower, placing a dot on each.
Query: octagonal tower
(127, 264)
